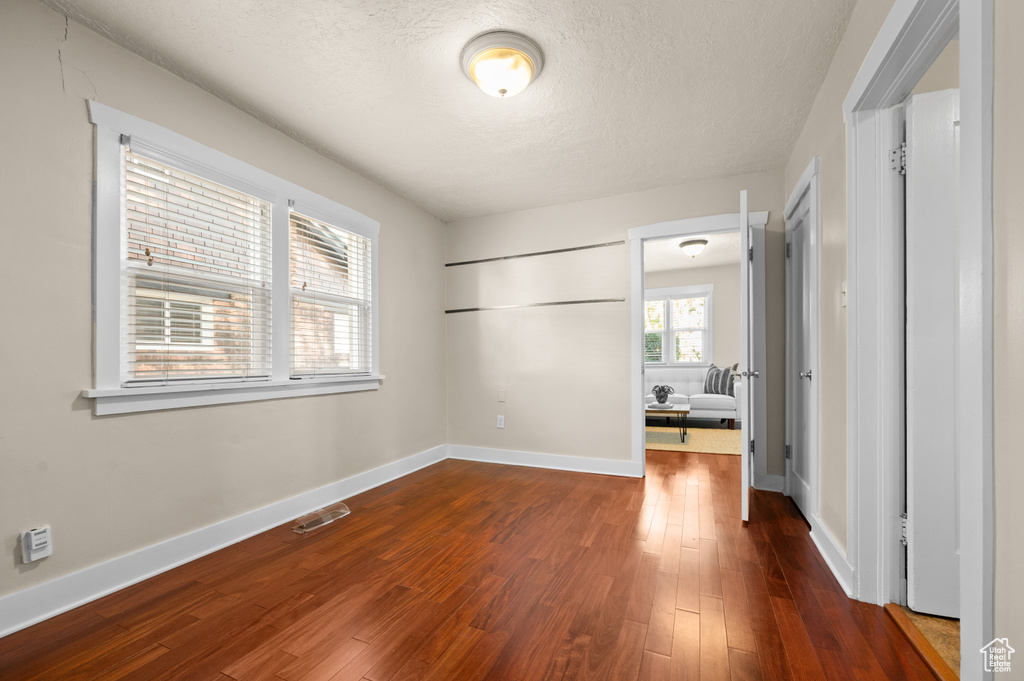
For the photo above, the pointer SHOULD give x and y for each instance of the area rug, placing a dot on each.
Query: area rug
(703, 440)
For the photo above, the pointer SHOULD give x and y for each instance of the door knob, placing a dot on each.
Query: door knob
(806, 374)
(752, 374)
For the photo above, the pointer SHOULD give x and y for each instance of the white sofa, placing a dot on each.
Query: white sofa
(688, 383)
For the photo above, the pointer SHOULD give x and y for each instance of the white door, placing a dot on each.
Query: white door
(933, 542)
(753, 351)
(801, 462)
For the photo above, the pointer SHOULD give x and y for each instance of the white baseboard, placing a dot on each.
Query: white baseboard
(559, 462)
(770, 483)
(34, 604)
(834, 557)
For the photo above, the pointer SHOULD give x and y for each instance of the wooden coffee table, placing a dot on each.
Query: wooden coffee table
(680, 411)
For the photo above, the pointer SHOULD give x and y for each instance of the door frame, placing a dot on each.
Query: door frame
(805, 193)
(914, 33)
(711, 224)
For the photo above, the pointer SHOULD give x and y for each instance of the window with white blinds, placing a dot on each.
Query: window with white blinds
(678, 325)
(197, 277)
(216, 281)
(331, 299)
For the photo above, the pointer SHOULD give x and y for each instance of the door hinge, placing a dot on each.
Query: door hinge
(750, 254)
(751, 447)
(903, 529)
(898, 159)
(789, 452)
(789, 249)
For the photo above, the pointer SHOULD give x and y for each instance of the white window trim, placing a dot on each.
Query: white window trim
(169, 147)
(670, 292)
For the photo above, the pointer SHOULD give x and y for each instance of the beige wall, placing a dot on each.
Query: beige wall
(824, 136)
(1008, 304)
(566, 368)
(115, 484)
(725, 320)
(944, 73)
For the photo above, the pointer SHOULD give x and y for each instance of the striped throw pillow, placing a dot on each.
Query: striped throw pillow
(719, 381)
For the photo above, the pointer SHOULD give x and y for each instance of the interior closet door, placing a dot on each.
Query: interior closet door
(933, 522)
(801, 469)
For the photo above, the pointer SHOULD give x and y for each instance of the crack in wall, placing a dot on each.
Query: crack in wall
(60, 57)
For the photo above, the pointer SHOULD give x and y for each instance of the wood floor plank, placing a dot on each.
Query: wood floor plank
(627, 655)
(714, 647)
(686, 647)
(803, 660)
(670, 548)
(641, 595)
(710, 572)
(737, 614)
(659, 631)
(771, 654)
(691, 522)
(862, 659)
(688, 582)
(744, 666)
(324, 670)
(655, 667)
(590, 609)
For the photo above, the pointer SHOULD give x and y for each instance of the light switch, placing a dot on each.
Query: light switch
(501, 394)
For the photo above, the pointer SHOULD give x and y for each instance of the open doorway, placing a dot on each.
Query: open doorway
(749, 383)
(930, 170)
(880, 480)
(692, 343)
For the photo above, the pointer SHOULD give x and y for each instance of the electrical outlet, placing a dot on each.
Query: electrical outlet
(501, 420)
(36, 543)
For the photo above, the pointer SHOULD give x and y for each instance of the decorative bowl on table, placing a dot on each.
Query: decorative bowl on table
(661, 393)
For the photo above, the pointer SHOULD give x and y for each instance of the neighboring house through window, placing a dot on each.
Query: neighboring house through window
(677, 325)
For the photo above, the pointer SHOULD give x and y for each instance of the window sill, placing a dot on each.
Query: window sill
(679, 365)
(132, 400)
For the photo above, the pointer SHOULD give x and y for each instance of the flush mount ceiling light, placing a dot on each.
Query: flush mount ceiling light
(502, 63)
(693, 247)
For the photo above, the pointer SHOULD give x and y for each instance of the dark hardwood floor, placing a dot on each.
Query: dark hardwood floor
(481, 571)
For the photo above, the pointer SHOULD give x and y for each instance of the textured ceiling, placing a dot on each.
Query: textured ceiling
(634, 94)
(664, 254)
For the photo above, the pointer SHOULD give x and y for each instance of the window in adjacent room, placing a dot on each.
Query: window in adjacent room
(654, 331)
(677, 328)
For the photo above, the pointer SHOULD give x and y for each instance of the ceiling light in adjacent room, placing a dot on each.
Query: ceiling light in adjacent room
(502, 63)
(693, 247)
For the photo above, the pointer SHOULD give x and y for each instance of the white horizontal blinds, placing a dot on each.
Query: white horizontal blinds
(198, 265)
(331, 299)
(689, 326)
